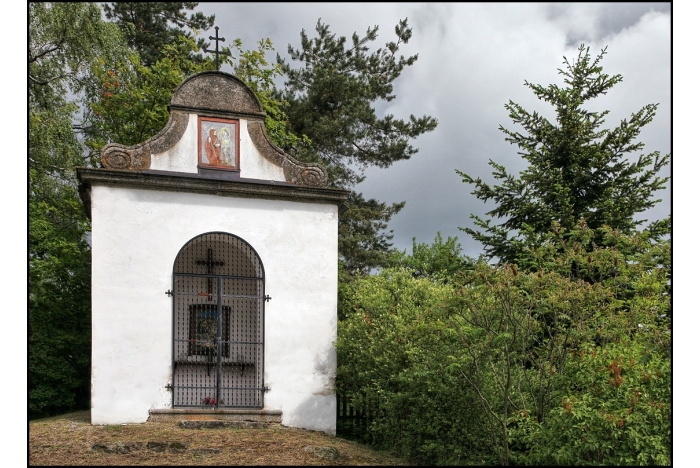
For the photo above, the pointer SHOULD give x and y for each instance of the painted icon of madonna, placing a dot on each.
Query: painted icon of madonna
(218, 143)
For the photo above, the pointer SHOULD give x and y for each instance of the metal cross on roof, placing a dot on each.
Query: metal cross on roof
(216, 51)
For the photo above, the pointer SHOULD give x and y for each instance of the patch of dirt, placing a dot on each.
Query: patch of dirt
(70, 439)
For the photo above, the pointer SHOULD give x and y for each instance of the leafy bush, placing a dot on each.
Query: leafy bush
(615, 411)
(417, 406)
(568, 362)
(58, 312)
(439, 261)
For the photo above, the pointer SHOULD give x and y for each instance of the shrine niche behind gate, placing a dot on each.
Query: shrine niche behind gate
(218, 309)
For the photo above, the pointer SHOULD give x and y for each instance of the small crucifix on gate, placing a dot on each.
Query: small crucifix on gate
(216, 51)
(210, 263)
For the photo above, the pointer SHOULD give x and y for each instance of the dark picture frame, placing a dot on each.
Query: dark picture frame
(202, 329)
(218, 143)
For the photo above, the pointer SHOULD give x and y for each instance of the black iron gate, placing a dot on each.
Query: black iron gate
(218, 324)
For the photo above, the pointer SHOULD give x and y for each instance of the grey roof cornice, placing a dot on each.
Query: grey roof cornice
(209, 184)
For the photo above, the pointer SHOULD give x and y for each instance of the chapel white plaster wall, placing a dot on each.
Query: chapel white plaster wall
(183, 156)
(136, 237)
(253, 164)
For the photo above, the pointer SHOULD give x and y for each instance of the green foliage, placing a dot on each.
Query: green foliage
(632, 265)
(64, 39)
(330, 100)
(59, 309)
(615, 410)
(127, 102)
(439, 261)
(362, 241)
(150, 27)
(417, 408)
(577, 169)
(512, 333)
(523, 328)
(510, 351)
(254, 69)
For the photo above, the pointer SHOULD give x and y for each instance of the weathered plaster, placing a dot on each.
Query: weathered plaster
(182, 157)
(216, 92)
(253, 165)
(136, 236)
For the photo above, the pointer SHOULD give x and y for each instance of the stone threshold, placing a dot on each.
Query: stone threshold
(197, 414)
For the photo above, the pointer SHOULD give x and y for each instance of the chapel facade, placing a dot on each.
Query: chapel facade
(214, 270)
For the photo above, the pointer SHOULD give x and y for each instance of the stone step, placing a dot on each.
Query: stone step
(196, 414)
(205, 424)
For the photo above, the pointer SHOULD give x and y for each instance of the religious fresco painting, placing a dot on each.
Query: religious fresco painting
(218, 143)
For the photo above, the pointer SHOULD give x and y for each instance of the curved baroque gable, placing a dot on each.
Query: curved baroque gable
(118, 156)
(218, 92)
(213, 94)
(308, 174)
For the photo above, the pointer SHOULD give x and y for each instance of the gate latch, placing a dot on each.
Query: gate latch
(169, 387)
(267, 298)
(169, 293)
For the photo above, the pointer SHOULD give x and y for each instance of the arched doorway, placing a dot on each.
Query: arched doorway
(218, 323)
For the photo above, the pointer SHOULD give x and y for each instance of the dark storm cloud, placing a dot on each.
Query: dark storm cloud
(614, 17)
(595, 21)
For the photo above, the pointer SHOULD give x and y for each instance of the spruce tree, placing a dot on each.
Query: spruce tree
(578, 170)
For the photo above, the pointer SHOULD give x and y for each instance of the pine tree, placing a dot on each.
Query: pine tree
(324, 114)
(150, 26)
(330, 100)
(577, 169)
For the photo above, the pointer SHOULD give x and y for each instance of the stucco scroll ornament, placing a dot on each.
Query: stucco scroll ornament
(118, 156)
(307, 174)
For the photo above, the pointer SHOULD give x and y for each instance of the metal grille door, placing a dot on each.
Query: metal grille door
(218, 324)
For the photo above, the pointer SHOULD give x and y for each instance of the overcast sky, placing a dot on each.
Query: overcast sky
(473, 58)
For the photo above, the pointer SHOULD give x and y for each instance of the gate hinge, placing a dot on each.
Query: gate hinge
(169, 293)
(267, 298)
(169, 387)
(266, 388)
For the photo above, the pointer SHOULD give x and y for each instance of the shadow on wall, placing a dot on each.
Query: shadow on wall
(325, 367)
(316, 412)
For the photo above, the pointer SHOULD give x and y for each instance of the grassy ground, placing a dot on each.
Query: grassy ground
(70, 439)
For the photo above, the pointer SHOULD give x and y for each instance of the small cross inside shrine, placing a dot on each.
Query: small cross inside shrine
(216, 43)
(210, 263)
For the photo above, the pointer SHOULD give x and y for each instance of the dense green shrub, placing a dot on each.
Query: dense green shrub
(568, 364)
(417, 406)
(58, 312)
(615, 410)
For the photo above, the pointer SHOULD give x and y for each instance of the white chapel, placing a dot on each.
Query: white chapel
(214, 270)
